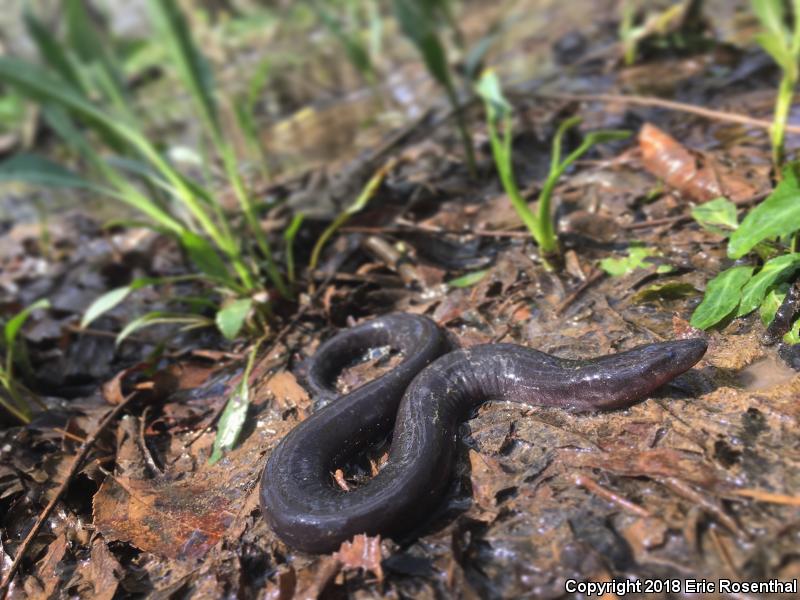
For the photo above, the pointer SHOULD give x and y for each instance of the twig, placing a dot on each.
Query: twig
(590, 485)
(708, 113)
(591, 280)
(772, 498)
(45, 514)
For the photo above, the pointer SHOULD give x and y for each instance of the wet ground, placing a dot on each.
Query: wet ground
(698, 482)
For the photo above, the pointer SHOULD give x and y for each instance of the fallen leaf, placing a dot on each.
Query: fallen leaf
(699, 177)
(363, 552)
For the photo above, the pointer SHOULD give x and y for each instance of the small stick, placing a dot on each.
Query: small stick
(700, 111)
(770, 497)
(595, 488)
(45, 514)
(591, 280)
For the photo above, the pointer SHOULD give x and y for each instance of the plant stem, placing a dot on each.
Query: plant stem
(461, 123)
(783, 103)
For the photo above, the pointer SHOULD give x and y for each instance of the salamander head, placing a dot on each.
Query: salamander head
(631, 376)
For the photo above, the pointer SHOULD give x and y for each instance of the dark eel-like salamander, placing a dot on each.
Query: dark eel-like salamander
(424, 399)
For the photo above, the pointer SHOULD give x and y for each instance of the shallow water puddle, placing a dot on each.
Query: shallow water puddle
(766, 373)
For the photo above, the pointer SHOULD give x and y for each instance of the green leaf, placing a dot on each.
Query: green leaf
(793, 335)
(205, 257)
(37, 170)
(777, 215)
(774, 271)
(93, 45)
(636, 259)
(159, 318)
(468, 280)
(231, 317)
(419, 27)
(288, 238)
(192, 67)
(490, 90)
(772, 303)
(771, 14)
(234, 416)
(717, 216)
(51, 51)
(722, 297)
(16, 322)
(105, 303)
(776, 48)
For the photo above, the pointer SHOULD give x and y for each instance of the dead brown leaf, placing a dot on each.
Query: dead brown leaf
(700, 177)
(363, 552)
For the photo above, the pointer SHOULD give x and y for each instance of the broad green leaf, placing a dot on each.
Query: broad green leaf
(231, 317)
(778, 215)
(636, 259)
(772, 303)
(105, 303)
(717, 216)
(37, 170)
(234, 416)
(16, 322)
(793, 335)
(774, 271)
(468, 280)
(722, 296)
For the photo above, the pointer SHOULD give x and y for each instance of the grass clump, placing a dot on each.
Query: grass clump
(498, 117)
(84, 97)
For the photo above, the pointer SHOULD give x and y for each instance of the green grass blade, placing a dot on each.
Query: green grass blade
(289, 235)
(51, 51)
(38, 170)
(104, 303)
(160, 318)
(173, 29)
(363, 199)
(11, 329)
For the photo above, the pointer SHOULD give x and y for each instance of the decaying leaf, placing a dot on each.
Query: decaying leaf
(363, 552)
